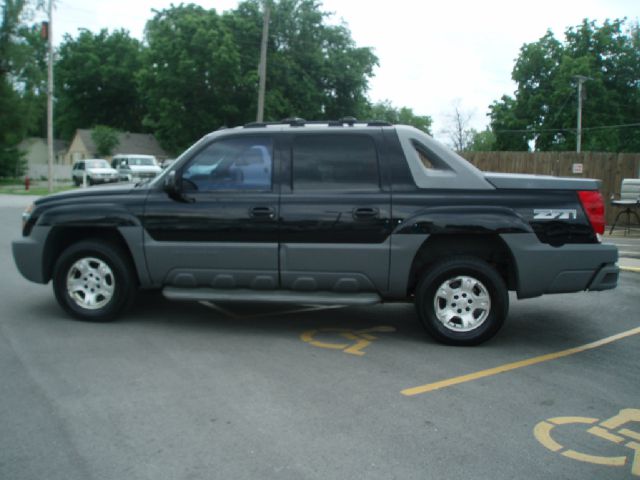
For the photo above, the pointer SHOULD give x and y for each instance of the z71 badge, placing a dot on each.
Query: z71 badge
(554, 214)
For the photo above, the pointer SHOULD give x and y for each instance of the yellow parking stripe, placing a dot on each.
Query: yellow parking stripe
(630, 269)
(429, 387)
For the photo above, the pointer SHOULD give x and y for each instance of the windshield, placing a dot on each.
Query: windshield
(97, 164)
(142, 161)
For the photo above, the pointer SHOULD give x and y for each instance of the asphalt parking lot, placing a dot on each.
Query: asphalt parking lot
(202, 391)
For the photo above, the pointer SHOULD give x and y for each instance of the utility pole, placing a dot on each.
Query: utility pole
(262, 68)
(50, 97)
(581, 79)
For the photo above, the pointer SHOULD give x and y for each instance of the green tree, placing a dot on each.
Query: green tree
(404, 116)
(11, 131)
(200, 68)
(510, 125)
(95, 82)
(190, 76)
(317, 71)
(22, 89)
(483, 141)
(543, 109)
(105, 138)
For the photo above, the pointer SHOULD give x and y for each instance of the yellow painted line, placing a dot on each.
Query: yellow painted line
(429, 387)
(606, 434)
(597, 459)
(635, 466)
(630, 269)
(542, 432)
(570, 420)
(630, 433)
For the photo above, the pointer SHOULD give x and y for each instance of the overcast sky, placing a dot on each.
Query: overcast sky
(431, 54)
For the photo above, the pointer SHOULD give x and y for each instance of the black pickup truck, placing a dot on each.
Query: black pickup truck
(323, 213)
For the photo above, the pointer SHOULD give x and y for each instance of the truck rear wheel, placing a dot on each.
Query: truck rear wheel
(94, 281)
(462, 301)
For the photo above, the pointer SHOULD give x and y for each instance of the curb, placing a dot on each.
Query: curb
(630, 269)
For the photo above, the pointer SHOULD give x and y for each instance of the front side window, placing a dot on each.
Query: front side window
(242, 163)
(335, 162)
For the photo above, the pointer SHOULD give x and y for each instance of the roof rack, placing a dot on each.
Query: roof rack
(349, 120)
(301, 122)
(294, 121)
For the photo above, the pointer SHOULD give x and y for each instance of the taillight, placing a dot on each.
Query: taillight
(593, 205)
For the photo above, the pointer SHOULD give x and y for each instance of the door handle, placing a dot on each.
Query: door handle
(363, 213)
(262, 212)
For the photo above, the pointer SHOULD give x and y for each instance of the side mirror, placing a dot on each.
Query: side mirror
(123, 164)
(171, 183)
(172, 186)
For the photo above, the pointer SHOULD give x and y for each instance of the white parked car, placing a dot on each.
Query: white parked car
(134, 168)
(96, 170)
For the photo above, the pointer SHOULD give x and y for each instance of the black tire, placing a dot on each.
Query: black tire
(76, 181)
(108, 274)
(454, 291)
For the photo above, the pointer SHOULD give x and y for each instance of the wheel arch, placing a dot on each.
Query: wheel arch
(61, 237)
(488, 247)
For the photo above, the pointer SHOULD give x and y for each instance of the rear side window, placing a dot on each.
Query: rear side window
(335, 162)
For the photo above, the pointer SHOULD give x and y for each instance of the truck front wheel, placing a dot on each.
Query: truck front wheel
(93, 280)
(462, 301)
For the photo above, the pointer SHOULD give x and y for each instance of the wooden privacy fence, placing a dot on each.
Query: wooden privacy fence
(610, 168)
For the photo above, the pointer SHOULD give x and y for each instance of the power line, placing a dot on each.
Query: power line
(571, 130)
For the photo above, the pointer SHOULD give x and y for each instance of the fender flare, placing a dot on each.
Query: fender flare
(100, 216)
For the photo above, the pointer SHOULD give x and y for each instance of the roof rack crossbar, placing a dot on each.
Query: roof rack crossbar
(301, 122)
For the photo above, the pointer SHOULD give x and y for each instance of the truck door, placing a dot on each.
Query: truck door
(223, 233)
(335, 209)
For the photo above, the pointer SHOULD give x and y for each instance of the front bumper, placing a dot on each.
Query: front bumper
(541, 268)
(28, 254)
(105, 179)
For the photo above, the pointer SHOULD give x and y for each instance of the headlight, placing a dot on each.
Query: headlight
(26, 215)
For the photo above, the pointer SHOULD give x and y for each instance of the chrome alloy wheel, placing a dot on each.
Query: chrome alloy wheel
(462, 303)
(90, 283)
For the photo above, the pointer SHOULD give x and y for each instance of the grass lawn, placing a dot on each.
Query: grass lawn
(33, 190)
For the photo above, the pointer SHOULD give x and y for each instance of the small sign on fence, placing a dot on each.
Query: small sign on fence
(576, 168)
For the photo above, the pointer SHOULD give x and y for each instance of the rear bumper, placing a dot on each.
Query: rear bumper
(542, 269)
(605, 279)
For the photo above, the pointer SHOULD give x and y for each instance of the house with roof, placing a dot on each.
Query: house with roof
(82, 146)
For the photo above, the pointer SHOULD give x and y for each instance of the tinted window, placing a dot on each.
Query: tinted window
(429, 160)
(335, 162)
(243, 163)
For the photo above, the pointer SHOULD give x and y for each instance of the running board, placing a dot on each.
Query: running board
(270, 296)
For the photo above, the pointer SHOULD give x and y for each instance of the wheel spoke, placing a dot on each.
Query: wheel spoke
(445, 291)
(81, 266)
(75, 284)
